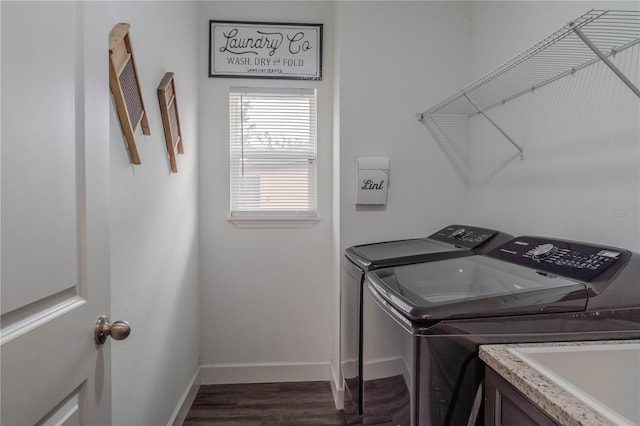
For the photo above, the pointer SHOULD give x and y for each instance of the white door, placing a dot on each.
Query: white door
(55, 223)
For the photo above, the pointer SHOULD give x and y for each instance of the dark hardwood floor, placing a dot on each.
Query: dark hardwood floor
(268, 404)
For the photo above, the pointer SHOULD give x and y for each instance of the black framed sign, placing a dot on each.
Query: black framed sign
(244, 49)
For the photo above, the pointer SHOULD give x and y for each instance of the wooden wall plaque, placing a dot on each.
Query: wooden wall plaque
(125, 88)
(170, 118)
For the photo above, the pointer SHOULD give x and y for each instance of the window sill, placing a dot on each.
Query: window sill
(273, 222)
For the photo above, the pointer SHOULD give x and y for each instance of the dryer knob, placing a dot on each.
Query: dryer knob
(543, 251)
(458, 233)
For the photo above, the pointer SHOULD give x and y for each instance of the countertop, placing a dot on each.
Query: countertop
(557, 402)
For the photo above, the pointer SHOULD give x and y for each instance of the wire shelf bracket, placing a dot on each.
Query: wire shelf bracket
(518, 147)
(607, 62)
(593, 37)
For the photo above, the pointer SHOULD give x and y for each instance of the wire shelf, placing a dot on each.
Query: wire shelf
(560, 54)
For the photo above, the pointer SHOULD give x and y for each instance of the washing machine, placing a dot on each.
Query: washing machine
(529, 289)
(450, 242)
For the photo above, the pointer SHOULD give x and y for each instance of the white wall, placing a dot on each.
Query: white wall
(154, 246)
(397, 59)
(580, 177)
(266, 298)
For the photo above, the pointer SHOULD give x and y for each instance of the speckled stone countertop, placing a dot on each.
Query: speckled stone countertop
(557, 402)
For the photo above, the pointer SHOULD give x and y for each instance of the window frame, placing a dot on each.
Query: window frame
(269, 217)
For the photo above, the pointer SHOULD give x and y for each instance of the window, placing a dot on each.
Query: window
(272, 152)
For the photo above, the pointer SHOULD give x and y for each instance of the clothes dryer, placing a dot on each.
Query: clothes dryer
(530, 289)
(450, 242)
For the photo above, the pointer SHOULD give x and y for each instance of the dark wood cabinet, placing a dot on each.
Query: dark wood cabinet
(507, 406)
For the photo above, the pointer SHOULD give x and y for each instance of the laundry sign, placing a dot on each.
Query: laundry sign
(265, 50)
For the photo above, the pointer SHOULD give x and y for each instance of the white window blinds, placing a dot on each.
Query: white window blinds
(272, 152)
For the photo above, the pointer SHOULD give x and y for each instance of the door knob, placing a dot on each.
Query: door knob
(119, 330)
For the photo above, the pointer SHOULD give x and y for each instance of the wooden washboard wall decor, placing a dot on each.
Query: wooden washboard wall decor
(125, 87)
(170, 118)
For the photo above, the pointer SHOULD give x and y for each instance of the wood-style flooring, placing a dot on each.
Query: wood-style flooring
(268, 404)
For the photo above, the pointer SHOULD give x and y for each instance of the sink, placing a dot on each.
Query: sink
(604, 376)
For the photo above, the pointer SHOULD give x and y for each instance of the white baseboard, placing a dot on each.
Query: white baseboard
(216, 374)
(337, 390)
(385, 367)
(184, 404)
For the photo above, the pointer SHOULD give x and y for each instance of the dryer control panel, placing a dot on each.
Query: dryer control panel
(463, 235)
(580, 261)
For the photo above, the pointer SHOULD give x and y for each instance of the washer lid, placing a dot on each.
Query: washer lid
(402, 252)
(474, 287)
(449, 242)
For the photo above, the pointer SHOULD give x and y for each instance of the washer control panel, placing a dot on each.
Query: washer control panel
(580, 261)
(464, 235)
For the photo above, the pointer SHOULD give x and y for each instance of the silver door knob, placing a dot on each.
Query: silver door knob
(119, 330)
